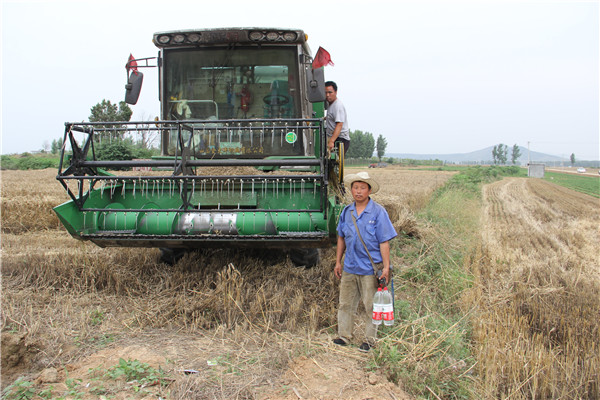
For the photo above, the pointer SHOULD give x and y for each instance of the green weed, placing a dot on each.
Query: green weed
(135, 370)
(20, 389)
(73, 386)
(96, 317)
(99, 341)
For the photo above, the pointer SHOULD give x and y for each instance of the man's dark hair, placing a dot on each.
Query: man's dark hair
(332, 84)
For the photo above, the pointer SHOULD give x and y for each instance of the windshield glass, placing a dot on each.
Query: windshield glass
(235, 84)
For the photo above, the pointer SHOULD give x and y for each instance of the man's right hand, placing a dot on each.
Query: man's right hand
(330, 145)
(338, 270)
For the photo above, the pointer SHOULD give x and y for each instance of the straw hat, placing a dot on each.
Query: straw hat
(362, 177)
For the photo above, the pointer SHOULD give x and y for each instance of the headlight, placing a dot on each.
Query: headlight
(194, 37)
(272, 36)
(255, 35)
(289, 36)
(164, 39)
(179, 38)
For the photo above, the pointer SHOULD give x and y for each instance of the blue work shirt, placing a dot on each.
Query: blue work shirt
(375, 228)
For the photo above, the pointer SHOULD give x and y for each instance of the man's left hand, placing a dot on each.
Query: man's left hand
(385, 274)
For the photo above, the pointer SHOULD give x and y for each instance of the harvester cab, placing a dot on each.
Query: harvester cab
(243, 161)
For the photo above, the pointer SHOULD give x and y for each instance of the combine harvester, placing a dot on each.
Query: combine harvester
(243, 158)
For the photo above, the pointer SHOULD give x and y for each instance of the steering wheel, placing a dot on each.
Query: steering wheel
(276, 99)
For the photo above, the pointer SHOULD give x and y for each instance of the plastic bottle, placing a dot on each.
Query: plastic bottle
(377, 307)
(388, 307)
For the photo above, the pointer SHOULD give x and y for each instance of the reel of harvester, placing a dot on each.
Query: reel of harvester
(224, 182)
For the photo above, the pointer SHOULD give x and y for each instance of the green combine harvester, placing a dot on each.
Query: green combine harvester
(243, 158)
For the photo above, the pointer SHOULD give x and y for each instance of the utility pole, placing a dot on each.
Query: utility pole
(528, 155)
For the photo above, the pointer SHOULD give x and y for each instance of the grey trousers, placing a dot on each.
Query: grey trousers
(354, 288)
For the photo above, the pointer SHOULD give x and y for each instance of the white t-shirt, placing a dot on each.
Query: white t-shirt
(336, 112)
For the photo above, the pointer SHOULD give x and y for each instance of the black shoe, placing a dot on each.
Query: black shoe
(340, 342)
(365, 347)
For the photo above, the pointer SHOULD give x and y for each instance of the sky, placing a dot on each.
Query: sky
(432, 77)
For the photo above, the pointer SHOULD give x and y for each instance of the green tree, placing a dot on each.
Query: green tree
(54, 148)
(381, 146)
(362, 145)
(572, 159)
(105, 111)
(56, 145)
(503, 153)
(500, 154)
(516, 153)
(369, 145)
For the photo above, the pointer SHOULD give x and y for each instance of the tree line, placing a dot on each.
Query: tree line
(500, 154)
(363, 145)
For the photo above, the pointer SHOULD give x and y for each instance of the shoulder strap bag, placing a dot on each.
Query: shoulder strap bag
(376, 267)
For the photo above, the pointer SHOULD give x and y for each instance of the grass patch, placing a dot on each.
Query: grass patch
(472, 178)
(584, 184)
(429, 349)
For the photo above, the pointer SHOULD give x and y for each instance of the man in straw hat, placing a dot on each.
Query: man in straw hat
(358, 277)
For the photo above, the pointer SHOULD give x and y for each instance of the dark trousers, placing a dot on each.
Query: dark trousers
(345, 142)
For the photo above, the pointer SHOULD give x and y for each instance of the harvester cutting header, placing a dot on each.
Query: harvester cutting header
(243, 156)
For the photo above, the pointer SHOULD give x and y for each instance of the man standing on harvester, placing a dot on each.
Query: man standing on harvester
(364, 232)
(336, 122)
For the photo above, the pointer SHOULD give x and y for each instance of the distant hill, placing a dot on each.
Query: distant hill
(483, 156)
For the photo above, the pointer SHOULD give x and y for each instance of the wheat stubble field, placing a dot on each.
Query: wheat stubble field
(252, 326)
(537, 292)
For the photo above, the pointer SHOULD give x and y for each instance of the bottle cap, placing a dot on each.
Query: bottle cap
(385, 288)
(379, 289)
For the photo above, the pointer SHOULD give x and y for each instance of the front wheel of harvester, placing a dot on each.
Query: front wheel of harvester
(171, 256)
(306, 258)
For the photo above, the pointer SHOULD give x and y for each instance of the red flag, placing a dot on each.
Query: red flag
(322, 58)
(132, 64)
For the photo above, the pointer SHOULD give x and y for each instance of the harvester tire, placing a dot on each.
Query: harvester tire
(171, 256)
(306, 258)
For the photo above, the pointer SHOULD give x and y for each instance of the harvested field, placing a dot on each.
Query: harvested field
(247, 322)
(249, 325)
(537, 292)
